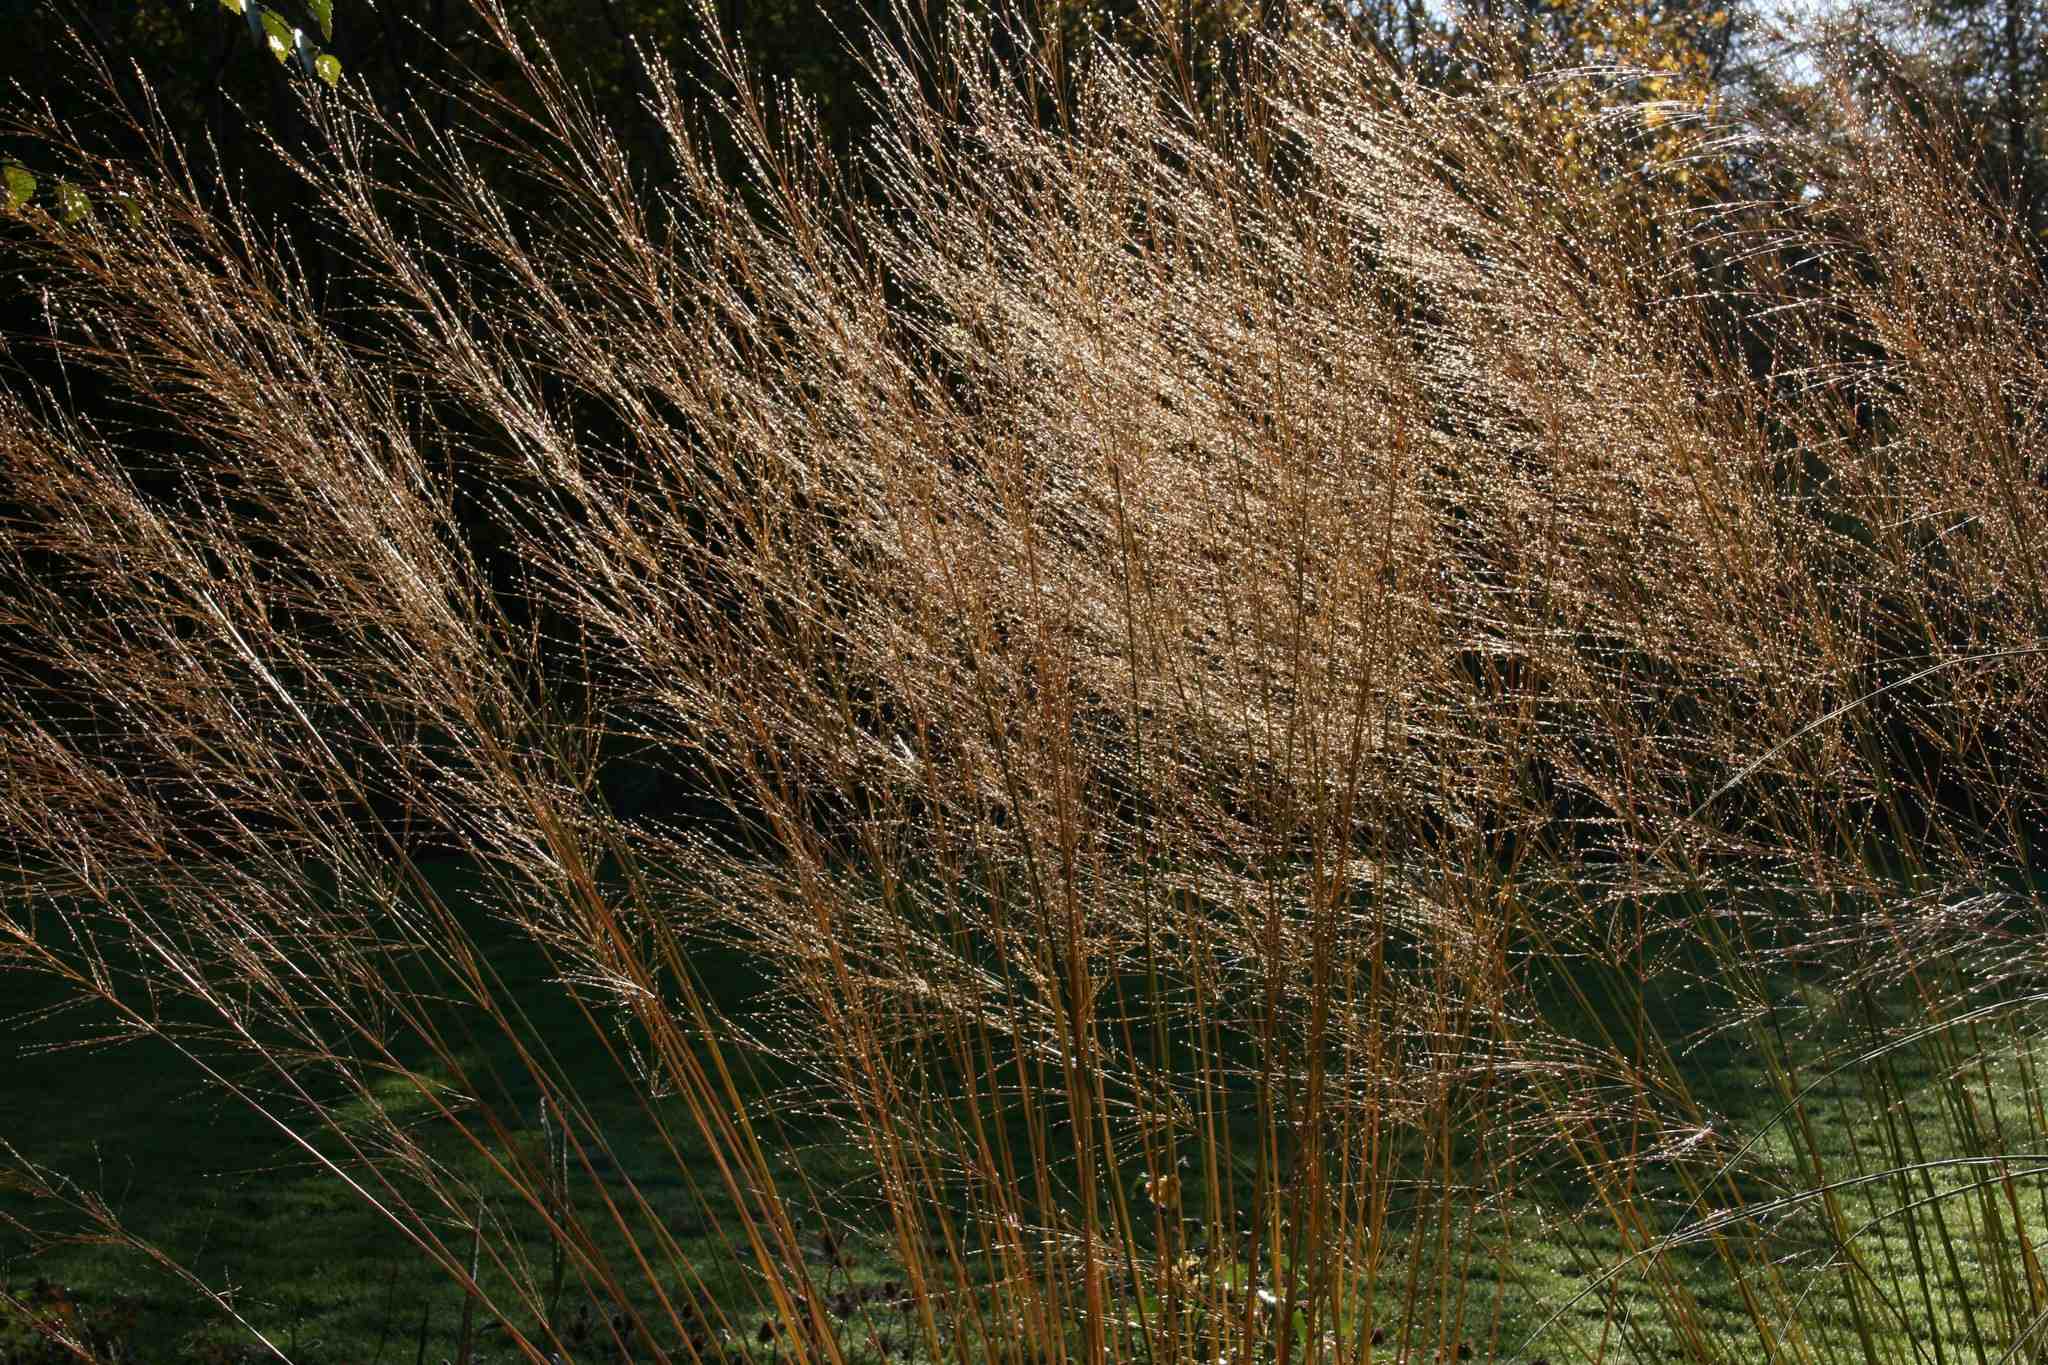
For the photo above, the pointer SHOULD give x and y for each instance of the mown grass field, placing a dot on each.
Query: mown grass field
(224, 1192)
(1546, 1275)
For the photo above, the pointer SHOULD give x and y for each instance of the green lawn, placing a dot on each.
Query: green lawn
(225, 1194)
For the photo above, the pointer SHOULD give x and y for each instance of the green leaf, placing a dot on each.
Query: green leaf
(279, 34)
(328, 68)
(323, 15)
(20, 185)
(232, 6)
(72, 205)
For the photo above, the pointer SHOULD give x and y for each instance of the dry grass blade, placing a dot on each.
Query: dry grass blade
(1258, 679)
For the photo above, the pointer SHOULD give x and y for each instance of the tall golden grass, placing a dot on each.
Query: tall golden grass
(1231, 657)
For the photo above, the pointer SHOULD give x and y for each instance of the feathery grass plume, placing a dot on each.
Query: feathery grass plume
(1324, 743)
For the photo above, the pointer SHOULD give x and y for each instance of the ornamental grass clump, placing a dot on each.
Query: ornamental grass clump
(1296, 714)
